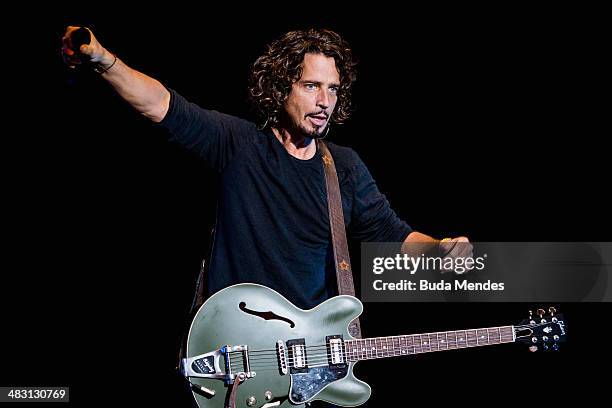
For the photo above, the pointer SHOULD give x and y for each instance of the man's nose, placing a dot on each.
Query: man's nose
(323, 99)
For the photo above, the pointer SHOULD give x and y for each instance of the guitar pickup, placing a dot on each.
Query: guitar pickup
(335, 350)
(298, 359)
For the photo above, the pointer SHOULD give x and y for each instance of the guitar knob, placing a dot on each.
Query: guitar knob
(530, 314)
(556, 337)
(251, 401)
(555, 347)
(541, 313)
(552, 311)
(545, 338)
(533, 349)
(534, 339)
(545, 347)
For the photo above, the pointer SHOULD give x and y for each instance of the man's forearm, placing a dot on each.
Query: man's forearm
(417, 243)
(147, 95)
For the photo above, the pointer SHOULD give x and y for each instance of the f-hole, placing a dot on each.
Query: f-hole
(269, 315)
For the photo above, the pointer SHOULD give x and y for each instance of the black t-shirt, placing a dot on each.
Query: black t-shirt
(272, 219)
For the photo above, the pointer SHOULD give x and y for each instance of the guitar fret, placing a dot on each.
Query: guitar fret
(433, 340)
(442, 341)
(482, 337)
(347, 352)
(471, 338)
(426, 344)
(452, 340)
(375, 348)
(462, 339)
(363, 350)
(497, 335)
(418, 343)
(410, 344)
(359, 349)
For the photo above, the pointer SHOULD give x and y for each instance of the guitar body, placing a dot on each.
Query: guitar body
(256, 316)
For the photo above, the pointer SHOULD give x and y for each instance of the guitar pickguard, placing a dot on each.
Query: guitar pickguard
(304, 386)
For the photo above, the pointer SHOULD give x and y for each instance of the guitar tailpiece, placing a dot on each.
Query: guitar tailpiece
(208, 365)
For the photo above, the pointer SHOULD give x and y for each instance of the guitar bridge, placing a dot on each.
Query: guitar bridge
(282, 357)
(208, 365)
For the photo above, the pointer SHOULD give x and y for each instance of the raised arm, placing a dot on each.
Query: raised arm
(147, 95)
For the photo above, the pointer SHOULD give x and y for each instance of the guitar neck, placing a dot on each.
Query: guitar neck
(392, 346)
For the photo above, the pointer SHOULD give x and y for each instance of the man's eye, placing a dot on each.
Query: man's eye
(310, 86)
(333, 90)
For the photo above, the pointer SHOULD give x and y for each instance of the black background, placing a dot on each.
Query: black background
(479, 122)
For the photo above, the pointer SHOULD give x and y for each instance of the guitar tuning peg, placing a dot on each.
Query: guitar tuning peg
(541, 313)
(533, 349)
(530, 314)
(552, 311)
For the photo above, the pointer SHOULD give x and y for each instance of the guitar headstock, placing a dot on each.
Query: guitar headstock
(543, 330)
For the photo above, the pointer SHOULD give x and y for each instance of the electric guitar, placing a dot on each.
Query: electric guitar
(248, 346)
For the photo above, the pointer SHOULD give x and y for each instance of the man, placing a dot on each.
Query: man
(272, 222)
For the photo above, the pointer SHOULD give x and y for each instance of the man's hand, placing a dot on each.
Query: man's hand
(455, 248)
(92, 52)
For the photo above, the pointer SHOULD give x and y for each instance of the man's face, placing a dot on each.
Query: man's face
(313, 97)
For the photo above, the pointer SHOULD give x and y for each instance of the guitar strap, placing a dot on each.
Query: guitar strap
(342, 261)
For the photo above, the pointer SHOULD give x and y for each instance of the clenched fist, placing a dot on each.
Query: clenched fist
(93, 52)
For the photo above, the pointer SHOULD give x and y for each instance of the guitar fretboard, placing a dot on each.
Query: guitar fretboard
(380, 347)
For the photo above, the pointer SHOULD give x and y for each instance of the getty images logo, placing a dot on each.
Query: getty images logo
(410, 264)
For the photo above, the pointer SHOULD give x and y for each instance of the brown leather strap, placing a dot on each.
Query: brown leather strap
(342, 261)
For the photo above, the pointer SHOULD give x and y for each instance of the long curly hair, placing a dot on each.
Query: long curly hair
(274, 72)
